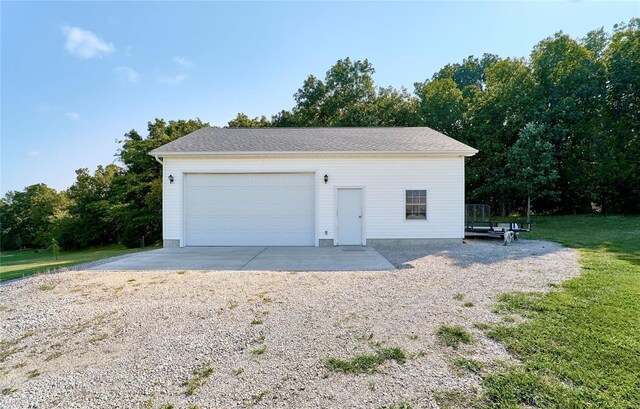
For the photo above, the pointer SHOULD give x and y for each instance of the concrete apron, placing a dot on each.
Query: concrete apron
(253, 258)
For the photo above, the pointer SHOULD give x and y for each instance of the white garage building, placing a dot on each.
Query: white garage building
(312, 186)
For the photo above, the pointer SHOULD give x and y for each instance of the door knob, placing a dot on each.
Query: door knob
(359, 217)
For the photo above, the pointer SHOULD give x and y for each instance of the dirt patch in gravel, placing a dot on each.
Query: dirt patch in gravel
(261, 339)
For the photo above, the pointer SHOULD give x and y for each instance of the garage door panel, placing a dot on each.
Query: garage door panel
(297, 225)
(253, 210)
(249, 209)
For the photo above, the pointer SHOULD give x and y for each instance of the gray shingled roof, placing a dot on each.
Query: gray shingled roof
(273, 140)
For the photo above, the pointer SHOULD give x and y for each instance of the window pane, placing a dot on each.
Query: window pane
(409, 197)
(416, 204)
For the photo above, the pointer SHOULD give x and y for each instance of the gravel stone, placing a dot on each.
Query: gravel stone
(129, 339)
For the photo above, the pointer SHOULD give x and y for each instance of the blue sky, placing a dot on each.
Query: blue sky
(77, 75)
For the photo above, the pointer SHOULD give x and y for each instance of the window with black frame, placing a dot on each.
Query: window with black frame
(416, 205)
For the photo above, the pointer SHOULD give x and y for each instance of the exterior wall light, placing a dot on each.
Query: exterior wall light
(326, 178)
(170, 178)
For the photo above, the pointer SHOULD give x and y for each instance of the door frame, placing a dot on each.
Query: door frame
(336, 237)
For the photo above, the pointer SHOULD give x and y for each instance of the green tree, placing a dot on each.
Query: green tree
(346, 97)
(470, 75)
(55, 248)
(92, 219)
(394, 107)
(620, 149)
(531, 165)
(441, 105)
(26, 216)
(243, 121)
(492, 124)
(571, 85)
(139, 187)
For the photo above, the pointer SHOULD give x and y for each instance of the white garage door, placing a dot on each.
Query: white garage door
(257, 209)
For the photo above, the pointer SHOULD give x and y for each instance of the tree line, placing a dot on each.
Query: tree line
(557, 131)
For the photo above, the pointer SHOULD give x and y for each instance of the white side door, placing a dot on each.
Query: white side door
(350, 217)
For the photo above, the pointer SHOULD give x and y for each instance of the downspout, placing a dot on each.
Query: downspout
(158, 160)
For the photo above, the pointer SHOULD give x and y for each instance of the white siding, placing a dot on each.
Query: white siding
(383, 180)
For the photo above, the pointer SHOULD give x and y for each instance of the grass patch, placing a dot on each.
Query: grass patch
(47, 287)
(483, 326)
(8, 391)
(256, 321)
(238, 372)
(7, 351)
(395, 354)
(580, 345)
(98, 338)
(32, 374)
(258, 351)
(413, 336)
(22, 263)
(523, 304)
(199, 378)
(467, 364)
(468, 304)
(457, 399)
(458, 296)
(453, 336)
(366, 363)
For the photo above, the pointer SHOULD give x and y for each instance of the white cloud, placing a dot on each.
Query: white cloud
(34, 154)
(182, 61)
(127, 74)
(172, 79)
(73, 116)
(84, 44)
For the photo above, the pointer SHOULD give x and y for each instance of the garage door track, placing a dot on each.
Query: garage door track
(253, 258)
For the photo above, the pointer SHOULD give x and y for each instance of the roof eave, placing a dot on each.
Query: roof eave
(470, 152)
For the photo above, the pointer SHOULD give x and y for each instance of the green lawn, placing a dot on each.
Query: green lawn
(580, 346)
(15, 264)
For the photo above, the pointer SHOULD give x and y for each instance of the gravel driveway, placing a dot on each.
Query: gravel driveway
(124, 339)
